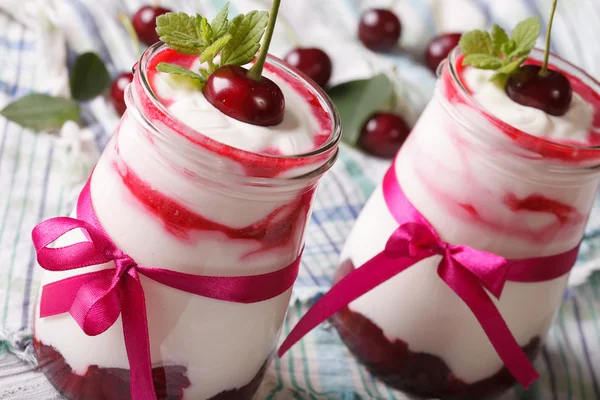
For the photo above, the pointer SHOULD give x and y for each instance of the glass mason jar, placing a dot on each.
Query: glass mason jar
(172, 198)
(482, 183)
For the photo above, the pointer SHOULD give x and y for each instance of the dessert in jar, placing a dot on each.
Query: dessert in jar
(483, 171)
(184, 188)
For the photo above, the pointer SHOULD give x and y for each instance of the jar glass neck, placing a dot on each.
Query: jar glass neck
(182, 144)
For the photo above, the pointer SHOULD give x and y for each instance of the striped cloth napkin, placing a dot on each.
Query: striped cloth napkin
(41, 174)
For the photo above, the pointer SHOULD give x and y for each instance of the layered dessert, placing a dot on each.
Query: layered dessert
(184, 187)
(492, 174)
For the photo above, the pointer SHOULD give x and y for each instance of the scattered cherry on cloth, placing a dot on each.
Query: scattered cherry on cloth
(117, 91)
(379, 29)
(313, 62)
(438, 49)
(383, 134)
(144, 23)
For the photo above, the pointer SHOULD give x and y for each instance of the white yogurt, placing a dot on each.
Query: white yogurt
(573, 126)
(462, 186)
(294, 135)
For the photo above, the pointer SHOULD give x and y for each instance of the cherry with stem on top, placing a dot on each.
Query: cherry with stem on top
(244, 94)
(540, 87)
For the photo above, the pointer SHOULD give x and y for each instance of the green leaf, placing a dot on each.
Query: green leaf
(502, 74)
(220, 24)
(483, 61)
(499, 38)
(211, 51)
(178, 70)
(508, 47)
(357, 100)
(180, 31)
(525, 35)
(205, 31)
(246, 33)
(476, 42)
(89, 77)
(41, 112)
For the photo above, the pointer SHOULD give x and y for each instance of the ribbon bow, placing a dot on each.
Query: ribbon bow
(467, 271)
(96, 299)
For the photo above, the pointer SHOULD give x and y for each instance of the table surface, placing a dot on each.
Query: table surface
(38, 178)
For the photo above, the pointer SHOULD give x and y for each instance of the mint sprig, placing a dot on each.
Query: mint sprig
(499, 52)
(236, 41)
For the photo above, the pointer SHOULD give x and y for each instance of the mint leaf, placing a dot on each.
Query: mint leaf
(220, 24)
(508, 47)
(525, 35)
(476, 42)
(502, 74)
(499, 38)
(205, 30)
(211, 51)
(89, 77)
(41, 112)
(483, 61)
(178, 70)
(357, 100)
(180, 31)
(246, 33)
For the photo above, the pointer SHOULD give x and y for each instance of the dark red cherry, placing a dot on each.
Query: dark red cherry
(379, 29)
(144, 23)
(439, 48)
(235, 94)
(551, 93)
(383, 134)
(313, 62)
(117, 91)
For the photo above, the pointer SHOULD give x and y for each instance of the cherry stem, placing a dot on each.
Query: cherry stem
(256, 70)
(126, 22)
(544, 70)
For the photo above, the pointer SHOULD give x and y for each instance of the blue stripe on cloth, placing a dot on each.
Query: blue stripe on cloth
(586, 352)
(25, 314)
(92, 26)
(550, 370)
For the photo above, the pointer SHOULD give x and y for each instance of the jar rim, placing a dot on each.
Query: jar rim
(326, 150)
(539, 145)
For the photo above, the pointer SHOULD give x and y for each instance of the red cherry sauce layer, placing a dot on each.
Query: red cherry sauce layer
(416, 373)
(569, 152)
(263, 164)
(275, 230)
(114, 383)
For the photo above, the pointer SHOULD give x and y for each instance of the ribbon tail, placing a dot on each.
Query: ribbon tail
(469, 289)
(137, 341)
(360, 281)
(58, 297)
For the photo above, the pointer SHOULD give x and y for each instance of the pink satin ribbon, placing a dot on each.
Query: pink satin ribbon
(96, 299)
(467, 271)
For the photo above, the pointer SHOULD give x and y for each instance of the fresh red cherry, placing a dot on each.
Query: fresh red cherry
(234, 93)
(383, 134)
(551, 93)
(117, 91)
(144, 23)
(313, 62)
(379, 29)
(439, 48)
